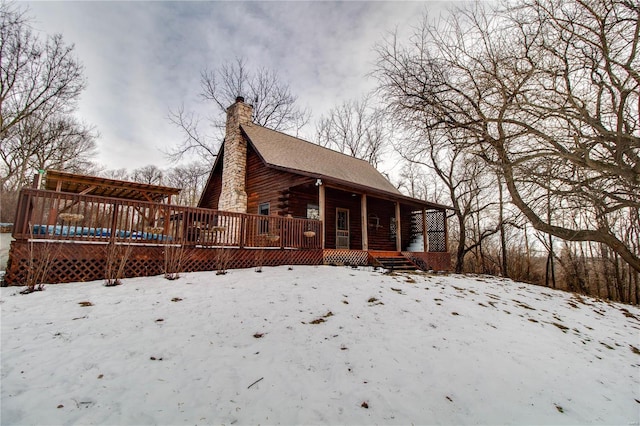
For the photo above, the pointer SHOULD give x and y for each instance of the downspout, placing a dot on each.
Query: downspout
(321, 207)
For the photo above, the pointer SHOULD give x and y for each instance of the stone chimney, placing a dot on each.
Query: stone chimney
(233, 197)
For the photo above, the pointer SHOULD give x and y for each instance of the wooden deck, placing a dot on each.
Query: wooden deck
(59, 216)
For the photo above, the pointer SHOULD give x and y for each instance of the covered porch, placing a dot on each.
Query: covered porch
(361, 225)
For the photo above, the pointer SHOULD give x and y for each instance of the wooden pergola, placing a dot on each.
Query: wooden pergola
(73, 222)
(58, 181)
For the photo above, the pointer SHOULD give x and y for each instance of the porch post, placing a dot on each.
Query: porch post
(425, 236)
(398, 229)
(321, 207)
(363, 212)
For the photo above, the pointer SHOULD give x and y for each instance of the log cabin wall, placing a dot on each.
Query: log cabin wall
(345, 200)
(291, 194)
(211, 194)
(380, 213)
(300, 198)
(267, 185)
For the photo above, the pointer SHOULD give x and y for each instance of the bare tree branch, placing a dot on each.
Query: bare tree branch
(274, 106)
(40, 82)
(356, 128)
(545, 90)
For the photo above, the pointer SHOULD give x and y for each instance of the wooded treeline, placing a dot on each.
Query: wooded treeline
(528, 114)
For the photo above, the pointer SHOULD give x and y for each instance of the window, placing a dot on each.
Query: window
(263, 224)
(313, 211)
(263, 209)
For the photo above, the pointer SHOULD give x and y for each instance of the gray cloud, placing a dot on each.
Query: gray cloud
(143, 58)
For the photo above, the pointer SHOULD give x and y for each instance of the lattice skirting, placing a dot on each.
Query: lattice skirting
(71, 262)
(436, 261)
(346, 257)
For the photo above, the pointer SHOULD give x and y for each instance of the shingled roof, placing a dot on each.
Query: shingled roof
(299, 156)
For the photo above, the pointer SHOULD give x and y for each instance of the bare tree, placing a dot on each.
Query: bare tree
(119, 174)
(274, 106)
(40, 82)
(192, 178)
(194, 141)
(469, 189)
(356, 128)
(150, 174)
(59, 142)
(412, 179)
(535, 86)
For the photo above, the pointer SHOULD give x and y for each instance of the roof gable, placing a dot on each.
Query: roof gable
(299, 156)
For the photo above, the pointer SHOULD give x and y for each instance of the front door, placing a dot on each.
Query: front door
(342, 228)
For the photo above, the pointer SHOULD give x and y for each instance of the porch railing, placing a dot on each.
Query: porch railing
(64, 216)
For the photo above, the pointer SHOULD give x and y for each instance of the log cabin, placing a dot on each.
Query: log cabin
(271, 199)
(364, 218)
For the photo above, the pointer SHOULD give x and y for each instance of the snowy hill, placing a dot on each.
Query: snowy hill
(317, 345)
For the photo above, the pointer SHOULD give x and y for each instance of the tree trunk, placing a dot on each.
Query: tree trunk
(528, 253)
(550, 273)
(503, 239)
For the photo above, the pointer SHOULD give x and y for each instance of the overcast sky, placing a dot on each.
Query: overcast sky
(142, 59)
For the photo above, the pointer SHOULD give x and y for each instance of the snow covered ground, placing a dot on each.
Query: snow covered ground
(317, 345)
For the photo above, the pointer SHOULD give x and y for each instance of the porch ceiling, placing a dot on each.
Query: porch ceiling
(359, 190)
(370, 192)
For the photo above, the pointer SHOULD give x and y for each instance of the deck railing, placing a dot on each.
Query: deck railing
(64, 216)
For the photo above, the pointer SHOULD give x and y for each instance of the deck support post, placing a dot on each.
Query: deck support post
(364, 215)
(321, 207)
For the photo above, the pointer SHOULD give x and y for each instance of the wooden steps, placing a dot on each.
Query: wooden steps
(393, 261)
